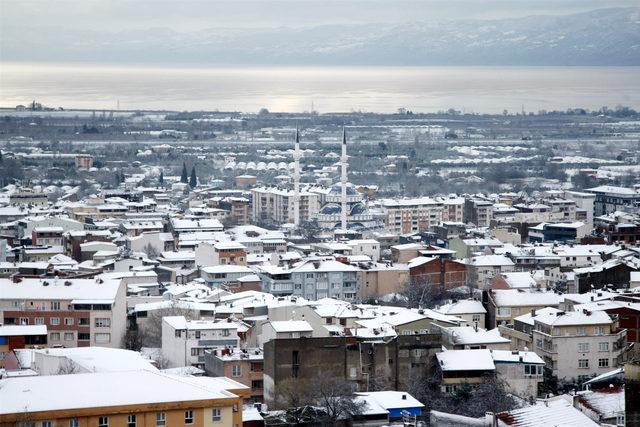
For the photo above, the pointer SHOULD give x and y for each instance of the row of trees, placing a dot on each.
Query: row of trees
(186, 179)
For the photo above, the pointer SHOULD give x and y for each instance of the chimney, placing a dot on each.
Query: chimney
(533, 312)
(404, 397)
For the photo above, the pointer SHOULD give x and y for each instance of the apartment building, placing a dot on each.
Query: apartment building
(77, 312)
(244, 366)
(411, 215)
(504, 305)
(275, 205)
(577, 344)
(610, 199)
(478, 211)
(139, 398)
(184, 342)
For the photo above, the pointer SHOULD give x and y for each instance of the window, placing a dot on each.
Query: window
(603, 363)
(236, 371)
(68, 321)
(599, 330)
(188, 416)
(504, 311)
(103, 422)
(39, 320)
(476, 318)
(102, 322)
(583, 363)
(73, 422)
(178, 333)
(103, 337)
(55, 305)
(131, 420)
(47, 424)
(533, 370)
(197, 335)
(55, 336)
(54, 321)
(216, 415)
(161, 419)
(84, 321)
(583, 347)
(295, 363)
(603, 346)
(260, 383)
(581, 331)
(68, 336)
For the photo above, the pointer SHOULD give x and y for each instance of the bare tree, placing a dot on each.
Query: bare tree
(337, 397)
(151, 251)
(292, 393)
(149, 332)
(67, 367)
(419, 292)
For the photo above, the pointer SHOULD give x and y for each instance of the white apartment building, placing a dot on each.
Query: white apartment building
(185, 341)
(275, 205)
(77, 312)
(412, 215)
(577, 344)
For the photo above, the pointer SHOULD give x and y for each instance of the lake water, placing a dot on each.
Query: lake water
(294, 89)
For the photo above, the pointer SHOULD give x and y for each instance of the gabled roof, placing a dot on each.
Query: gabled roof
(552, 412)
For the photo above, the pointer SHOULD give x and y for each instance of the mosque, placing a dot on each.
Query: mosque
(343, 207)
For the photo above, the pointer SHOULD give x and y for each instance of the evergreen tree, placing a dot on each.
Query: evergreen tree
(184, 177)
(161, 179)
(193, 181)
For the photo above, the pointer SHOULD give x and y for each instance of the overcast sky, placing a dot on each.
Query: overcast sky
(186, 15)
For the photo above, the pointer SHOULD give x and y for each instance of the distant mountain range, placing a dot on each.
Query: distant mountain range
(601, 37)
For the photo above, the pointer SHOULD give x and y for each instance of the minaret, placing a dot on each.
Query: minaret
(343, 180)
(296, 181)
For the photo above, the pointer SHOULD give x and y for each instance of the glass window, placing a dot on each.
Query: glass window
(603, 346)
(131, 420)
(74, 422)
(54, 321)
(161, 419)
(599, 330)
(583, 347)
(583, 363)
(68, 321)
(39, 320)
(55, 305)
(68, 336)
(102, 322)
(84, 321)
(55, 336)
(216, 415)
(581, 330)
(47, 424)
(236, 371)
(188, 417)
(603, 363)
(103, 337)
(103, 422)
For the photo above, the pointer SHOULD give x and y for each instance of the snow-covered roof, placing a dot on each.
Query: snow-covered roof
(518, 297)
(104, 290)
(556, 411)
(104, 389)
(465, 360)
(508, 356)
(22, 330)
(291, 326)
(491, 261)
(391, 399)
(570, 318)
(462, 307)
(102, 359)
(467, 335)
